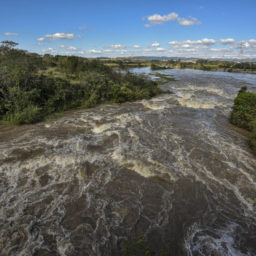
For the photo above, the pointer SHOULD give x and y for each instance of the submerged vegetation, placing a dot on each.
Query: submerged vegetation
(244, 114)
(33, 87)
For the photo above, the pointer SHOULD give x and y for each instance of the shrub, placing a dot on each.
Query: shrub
(244, 110)
(30, 114)
(244, 114)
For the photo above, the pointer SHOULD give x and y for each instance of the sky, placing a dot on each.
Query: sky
(111, 28)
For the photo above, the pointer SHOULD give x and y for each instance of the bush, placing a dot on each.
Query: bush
(28, 97)
(244, 114)
(244, 110)
(30, 114)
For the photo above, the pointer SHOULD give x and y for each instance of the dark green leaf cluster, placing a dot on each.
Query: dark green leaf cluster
(244, 113)
(33, 86)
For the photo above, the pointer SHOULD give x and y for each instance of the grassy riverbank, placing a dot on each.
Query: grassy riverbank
(34, 87)
(244, 114)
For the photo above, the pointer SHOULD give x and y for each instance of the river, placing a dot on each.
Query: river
(172, 169)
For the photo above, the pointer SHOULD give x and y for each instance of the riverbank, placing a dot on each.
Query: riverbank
(34, 87)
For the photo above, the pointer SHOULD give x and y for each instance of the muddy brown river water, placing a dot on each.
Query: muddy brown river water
(171, 168)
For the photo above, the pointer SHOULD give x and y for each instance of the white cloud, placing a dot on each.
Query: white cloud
(192, 42)
(228, 41)
(190, 50)
(136, 46)
(217, 49)
(189, 22)
(40, 39)
(252, 41)
(157, 19)
(69, 48)
(48, 50)
(159, 49)
(185, 45)
(245, 44)
(203, 43)
(117, 46)
(147, 50)
(95, 51)
(60, 36)
(207, 41)
(108, 50)
(10, 34)
(155, 44)
(173, 42)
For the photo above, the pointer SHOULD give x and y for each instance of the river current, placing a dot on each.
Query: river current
(171, 168)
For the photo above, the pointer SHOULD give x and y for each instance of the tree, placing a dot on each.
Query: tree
(9, 44)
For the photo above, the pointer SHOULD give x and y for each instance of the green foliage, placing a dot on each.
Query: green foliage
(252, 139)
(28, 115)
(158, 66)
(244, 114)
(29, 93)
(244, 110)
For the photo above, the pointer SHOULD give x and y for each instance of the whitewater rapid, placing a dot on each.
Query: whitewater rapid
(172, 169)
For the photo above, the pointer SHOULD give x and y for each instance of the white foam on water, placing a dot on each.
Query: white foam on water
(199, 242)
(102, 128)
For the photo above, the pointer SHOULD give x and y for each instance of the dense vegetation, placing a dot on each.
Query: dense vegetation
(244, 114)
(216, 65)
(202, 64)
(33, 87)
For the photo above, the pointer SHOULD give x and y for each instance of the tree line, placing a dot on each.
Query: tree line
(33, 87)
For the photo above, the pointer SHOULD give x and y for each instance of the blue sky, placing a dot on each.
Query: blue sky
(192, 28)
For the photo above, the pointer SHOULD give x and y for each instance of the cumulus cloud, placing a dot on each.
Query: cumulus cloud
(203, 43)
(117, 46)
(157, 19)
(136, 46)
(108, 50)
(95, 51)
(190, 50)
(252, 41)
(48, 50)
(69, 48)
(185, 45)
(245, 44)
(155, 44)
(60, 36)
(228, 41)
(40, 39)
(173, 42)
(159, 49)
(189, 22)
(10, 34)
(57, 36)
(207, 41)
